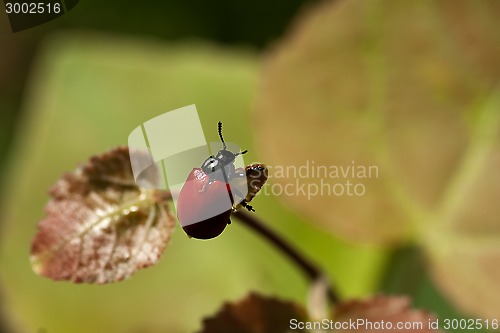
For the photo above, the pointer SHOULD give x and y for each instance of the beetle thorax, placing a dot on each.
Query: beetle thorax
(220, 161)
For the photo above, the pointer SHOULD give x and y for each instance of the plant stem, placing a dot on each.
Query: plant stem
(307, 267)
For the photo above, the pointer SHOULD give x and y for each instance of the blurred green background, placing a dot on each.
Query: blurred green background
(77, 86)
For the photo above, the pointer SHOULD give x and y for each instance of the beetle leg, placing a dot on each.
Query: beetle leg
(229, 221)
(247, 206)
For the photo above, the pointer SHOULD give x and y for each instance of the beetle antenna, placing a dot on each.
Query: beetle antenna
(241, 152)
(220, 135)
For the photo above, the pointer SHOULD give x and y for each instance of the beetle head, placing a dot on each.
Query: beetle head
(223, 158)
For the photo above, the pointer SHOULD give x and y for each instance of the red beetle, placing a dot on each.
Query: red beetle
(213, 191)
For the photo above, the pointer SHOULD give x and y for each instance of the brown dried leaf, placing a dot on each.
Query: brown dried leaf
(388, 309)
(100, 226)
(254, 314)
(260, 314)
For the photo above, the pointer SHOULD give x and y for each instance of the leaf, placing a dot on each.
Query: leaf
(412, 90)
(254, 314)
(390, 310)
(262, 314)
(467, 272)
(385, 84)
(100, 226)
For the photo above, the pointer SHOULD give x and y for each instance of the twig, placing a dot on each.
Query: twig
(307, 267)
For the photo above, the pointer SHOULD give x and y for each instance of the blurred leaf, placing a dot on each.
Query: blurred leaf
(100, 226)
(372, 84)
(260, 314)
(387, 309)
(407, 275)
(467, 272)
(410, 89)
(469, 225)
(254, 314)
